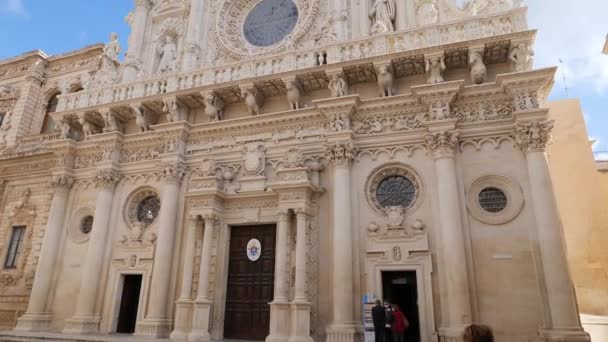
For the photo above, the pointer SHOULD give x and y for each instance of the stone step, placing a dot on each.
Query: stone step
(14, 336)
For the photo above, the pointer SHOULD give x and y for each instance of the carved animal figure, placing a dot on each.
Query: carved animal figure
(478, 68)
(294, 95)
(87, 128)
(523, 57)
(254, 100)
(141, 119)
(65, 129)
(385, 81)
(174, 110)
(214, 107)
(337, 86)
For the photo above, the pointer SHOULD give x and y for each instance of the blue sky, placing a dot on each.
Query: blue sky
(573, 31)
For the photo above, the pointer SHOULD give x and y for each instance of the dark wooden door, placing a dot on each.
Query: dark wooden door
(250, 284)
(127, 316)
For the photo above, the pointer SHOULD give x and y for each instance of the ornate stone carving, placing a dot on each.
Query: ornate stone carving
(293, 159)
(62, 182)
(523, 57)
(442, 143)
(24, 200)
(174, 172)
(141, 118)
(526, 99)
(294, 94)
(341, 154)
(394, 217)
(9, 280)
(254, 159)
(65, 128)
(107, 179)
(214, 106)
(434, 69)
(337, 86)
(382, 14)
(397, 253)
(87, 127)
(111, 123)
(384, 74)
(108, 72)
(176, 111)
(427, 12)
(478, 68)
(339, 122)
(532, 136)
(483, 110)
(254, 99)
(167, 53)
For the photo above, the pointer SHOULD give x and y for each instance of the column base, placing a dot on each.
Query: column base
(564, 335)
(181, 326)
(279, 322)
(343, 332)
(82, 325)
(455, 334)
(154, 327)
(300, 321)
(200, 321)
(34, 322)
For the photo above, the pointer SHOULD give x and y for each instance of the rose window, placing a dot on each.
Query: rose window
(396, 191)
(147, 210)
(270, 21)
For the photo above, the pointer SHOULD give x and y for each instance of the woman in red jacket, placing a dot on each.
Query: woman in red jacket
(400, 324)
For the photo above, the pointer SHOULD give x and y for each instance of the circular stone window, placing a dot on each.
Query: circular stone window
(143, 207)
(495, 199)
(86, 225)
(270, 21)
(393, 185)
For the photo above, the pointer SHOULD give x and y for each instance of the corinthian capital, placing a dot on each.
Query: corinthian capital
(442, 144)
(532, 136)
(107, 179)
(341, 154)
(62, 182)
(174, 172)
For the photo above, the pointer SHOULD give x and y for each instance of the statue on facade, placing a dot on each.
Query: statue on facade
(294, 95)
(65, 127)
(383, 14)
(108, 73)
(214, 107)
(337, 86)
(141, 119)
(428, 13)
(385, 81)
(87, 128)
(478, 68)
(168, 56)
(254, 100)
(523, 57)
(434, 69)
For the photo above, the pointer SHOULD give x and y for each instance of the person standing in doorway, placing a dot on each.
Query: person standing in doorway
(388, 314)
(379, 318)
(400, 324)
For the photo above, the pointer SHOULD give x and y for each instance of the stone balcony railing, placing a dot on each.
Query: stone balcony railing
(601, 156)
(409, 44)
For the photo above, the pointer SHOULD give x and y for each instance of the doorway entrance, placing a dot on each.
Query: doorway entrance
(401, 288)
(250, 283)
(129, 303)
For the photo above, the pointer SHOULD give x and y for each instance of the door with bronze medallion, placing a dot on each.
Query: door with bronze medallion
(250, 282)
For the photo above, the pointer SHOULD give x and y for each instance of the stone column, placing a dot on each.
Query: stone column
(300, 306)
(87, 319)
(184, 303)
(401, 17)
(343, 328)
(157, 323)
(193, 47)
(202, 304)
(138, 24)
(339, 19)
(564, 324)
(451, 231)
(37, 317)
(279, 307)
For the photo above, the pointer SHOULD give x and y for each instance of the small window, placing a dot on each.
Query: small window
(86, 225)
(49, 125)
(14, 247)
(2, 118)
(492, 200)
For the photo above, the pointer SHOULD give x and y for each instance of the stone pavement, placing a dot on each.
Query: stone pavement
(17, 336)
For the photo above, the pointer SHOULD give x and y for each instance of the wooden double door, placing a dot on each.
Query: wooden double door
(250, 284)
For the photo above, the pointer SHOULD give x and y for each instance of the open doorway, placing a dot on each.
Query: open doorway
(400, 288)
(129, 303)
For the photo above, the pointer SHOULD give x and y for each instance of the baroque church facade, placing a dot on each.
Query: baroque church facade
(254, 169)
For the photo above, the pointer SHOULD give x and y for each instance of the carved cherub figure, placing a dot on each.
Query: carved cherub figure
(434, 69)
(478, 68)
(294, 95)
(523, 57)
(385, 81)
(337, 86)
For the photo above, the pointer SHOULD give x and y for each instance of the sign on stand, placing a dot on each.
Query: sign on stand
(368, 323)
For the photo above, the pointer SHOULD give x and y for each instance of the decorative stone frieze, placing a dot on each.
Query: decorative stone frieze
(341, 154)
(442, 144)
(532, 136)
(107, 179)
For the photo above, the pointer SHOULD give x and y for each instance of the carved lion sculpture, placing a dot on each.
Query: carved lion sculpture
(294, 95)
(141, 119)
(214, 107)
(385, 81)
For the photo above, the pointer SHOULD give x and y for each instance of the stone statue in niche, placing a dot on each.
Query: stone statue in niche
(65, 127)
(141, 119)
(385, 81)
(294, 95)
(168, 56)
(428, 13)
(523, 57)
(110, 122)
(214, 107)
(87, 128)
(478, 68)
(254, 100)
(337, 86)
(434, 69)
(382, 15)
(24, 199)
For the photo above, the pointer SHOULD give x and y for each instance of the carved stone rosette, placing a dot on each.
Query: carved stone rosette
(532, 136)
(107, 179)
(341, 154)
(442, 144)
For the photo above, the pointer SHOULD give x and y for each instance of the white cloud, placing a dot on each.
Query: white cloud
(13, 7)
(575, 32)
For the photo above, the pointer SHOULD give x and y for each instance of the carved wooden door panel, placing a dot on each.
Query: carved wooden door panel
(250, 284)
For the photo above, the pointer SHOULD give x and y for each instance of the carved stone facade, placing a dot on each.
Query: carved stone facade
(379, 138)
